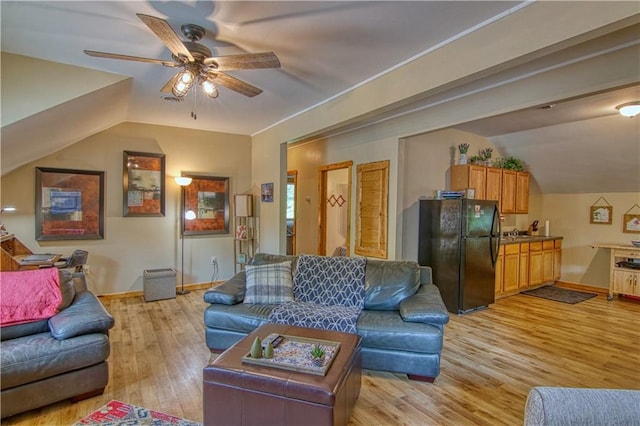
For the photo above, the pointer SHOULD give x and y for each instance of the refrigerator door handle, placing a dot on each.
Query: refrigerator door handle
(495, 221)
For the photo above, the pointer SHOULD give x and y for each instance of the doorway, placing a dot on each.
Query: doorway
(292, 202)
(334, 205)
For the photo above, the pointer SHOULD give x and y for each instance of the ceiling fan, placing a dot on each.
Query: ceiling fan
(196, 63)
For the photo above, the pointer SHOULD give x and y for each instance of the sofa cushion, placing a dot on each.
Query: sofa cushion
(239, 318)
(85, 315)
(266, 258)
(270, 284)
(229, 292)
(387, 283)
(29, 296)
(67, 288)
(31, 358)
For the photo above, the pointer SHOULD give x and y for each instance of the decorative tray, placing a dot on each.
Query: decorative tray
(292, 353)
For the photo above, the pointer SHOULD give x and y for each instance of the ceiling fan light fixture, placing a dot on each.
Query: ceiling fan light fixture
(209, 89)
(629, 109)
(183, 83)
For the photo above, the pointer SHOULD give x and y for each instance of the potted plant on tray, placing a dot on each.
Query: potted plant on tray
(317, 355)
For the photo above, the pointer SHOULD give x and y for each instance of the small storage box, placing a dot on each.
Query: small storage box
(159, 284)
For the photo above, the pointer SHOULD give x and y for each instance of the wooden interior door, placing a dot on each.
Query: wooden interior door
(329, 199)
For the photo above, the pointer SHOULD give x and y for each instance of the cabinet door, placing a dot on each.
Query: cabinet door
(557, 260)
(535, 267)
(494, 183)
(508, 204)
(522, 192)
(511, 270)
(499, 271)
(524, 266)
(478, 181)
(623, 281)
(547, 266)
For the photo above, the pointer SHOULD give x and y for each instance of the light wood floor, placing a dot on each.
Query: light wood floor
(490, 361)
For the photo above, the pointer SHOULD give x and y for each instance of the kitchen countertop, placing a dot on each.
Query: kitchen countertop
(527, 239)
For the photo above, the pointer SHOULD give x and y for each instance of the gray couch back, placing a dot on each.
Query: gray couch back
(387, 282)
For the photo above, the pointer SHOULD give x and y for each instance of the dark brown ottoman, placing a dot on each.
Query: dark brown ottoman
(246, 394)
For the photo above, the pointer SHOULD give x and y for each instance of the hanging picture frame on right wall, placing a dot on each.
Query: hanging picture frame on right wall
(631, 223)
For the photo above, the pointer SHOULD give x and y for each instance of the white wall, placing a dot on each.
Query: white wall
(133, 244)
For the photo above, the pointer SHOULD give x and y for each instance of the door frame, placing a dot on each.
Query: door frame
(322, 203)
(292, 177)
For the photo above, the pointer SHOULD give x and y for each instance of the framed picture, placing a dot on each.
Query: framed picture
(266, 192)
(208, 198)
(602, 215)
(69, 204)
(631, 223)
(143, 192)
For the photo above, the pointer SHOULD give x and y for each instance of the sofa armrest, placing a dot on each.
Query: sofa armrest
(85, 315)
(425, 306)
(229, 292)
(581, 406)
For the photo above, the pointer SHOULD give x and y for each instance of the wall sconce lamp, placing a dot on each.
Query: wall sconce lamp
(629, 109)
(3, 230)
(188, 215)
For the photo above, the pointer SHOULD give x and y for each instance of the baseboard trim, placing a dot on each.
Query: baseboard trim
(583, 287)
(140, 293)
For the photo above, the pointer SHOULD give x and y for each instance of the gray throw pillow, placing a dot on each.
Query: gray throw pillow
(269, 284)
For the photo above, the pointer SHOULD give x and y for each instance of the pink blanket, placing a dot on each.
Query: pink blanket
(28, 296)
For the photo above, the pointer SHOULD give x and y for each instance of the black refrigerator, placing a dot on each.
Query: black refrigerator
(459, 239)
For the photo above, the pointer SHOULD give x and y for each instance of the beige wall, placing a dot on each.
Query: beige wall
(133, 244)
(568, 215)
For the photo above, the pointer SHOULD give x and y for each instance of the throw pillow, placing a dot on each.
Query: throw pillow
(269, 284)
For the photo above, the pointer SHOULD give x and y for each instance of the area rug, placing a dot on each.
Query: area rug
(118, 413)
(560, 294)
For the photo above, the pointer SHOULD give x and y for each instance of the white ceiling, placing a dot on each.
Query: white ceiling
(325, 47)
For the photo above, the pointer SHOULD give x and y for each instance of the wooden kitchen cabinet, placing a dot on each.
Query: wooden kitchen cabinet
(535, 263)
(624, 277)
(511, 272)
(499, 271)
(557, 259)
(523, 282)
(522, 192)
(508, 195)
(465, 176)
(509, 188)
(547, 261)
(493, 184)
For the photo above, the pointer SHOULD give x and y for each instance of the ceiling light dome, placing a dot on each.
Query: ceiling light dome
(630, 109)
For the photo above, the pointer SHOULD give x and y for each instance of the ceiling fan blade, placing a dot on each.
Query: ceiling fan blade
(165, 33)
(167, 87)
(130, 58)
(244, 61)
(234, 84)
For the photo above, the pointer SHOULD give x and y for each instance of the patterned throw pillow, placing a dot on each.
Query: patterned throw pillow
(269, 284)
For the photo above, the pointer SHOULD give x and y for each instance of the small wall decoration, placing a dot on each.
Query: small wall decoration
(208, 198)
(69, 204)
(143, 179)
(601, 214)
(266, 192)
(631, 221)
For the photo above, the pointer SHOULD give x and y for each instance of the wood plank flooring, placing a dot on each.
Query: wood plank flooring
(491, 359)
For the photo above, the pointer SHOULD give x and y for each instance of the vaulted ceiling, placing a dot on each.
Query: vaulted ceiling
(325, 48)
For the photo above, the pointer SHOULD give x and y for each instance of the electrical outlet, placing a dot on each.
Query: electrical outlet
(213, 260)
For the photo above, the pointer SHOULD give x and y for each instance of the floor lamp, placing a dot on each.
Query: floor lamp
(188, 215)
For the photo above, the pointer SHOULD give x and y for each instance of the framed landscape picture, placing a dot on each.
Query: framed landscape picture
(208, 198)
(69, 204)
(143, 182)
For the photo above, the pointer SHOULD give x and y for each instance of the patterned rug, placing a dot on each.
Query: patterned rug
(117, 413)
(560, 294)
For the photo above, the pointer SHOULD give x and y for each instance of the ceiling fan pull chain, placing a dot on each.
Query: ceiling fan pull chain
(194, 115)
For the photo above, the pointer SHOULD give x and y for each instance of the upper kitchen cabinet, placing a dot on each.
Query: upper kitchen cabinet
(508, 187)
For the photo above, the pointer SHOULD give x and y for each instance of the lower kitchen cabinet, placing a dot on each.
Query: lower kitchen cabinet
(521, 266)
(624, 276)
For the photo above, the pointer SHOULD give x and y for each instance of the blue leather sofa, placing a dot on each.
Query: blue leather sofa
(402, 324)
